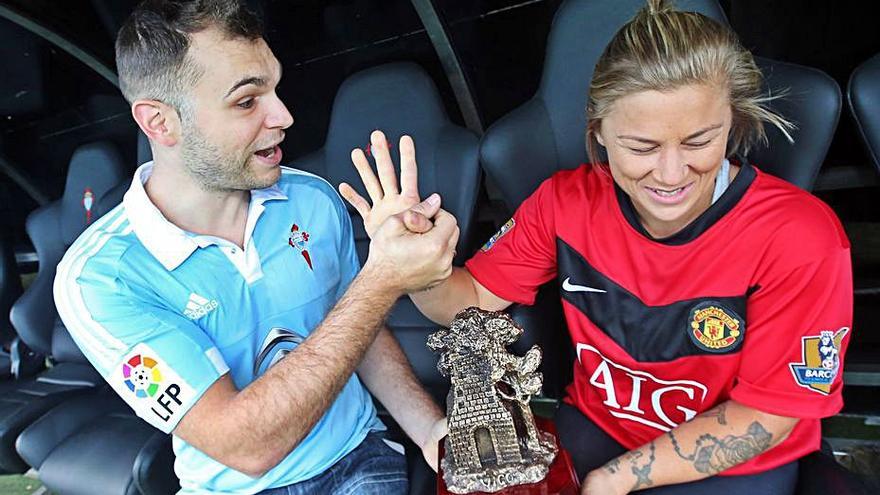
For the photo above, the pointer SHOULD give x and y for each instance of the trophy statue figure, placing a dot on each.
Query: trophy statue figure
(493, 442)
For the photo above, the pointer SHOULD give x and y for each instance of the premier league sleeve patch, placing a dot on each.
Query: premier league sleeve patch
(152, 388)
(498, 235)
(821, 360)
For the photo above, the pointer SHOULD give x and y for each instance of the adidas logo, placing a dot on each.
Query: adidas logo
(198, 306)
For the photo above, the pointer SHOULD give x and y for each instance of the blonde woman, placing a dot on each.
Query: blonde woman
(709, 303)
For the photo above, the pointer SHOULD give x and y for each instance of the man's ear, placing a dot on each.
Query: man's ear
(159, 121)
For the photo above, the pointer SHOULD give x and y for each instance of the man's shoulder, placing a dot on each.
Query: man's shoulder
(102, 250)
(295, 181)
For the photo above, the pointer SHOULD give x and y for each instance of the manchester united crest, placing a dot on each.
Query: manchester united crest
(299, 240)
(715, 328)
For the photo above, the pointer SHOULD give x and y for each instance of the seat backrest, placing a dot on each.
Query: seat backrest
(95, 169)
(547, 133)
(400, 98)
(863, 95)
(812, 101)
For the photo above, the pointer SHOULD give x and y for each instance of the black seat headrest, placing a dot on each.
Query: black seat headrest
(863, 94)
(396, 98)
(400, 98)
(95, 168)
(812, 102)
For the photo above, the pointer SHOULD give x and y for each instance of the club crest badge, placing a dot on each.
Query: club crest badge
(299, 240)
(821, 360)
(715, 328)
(87, 202)
(498, 235)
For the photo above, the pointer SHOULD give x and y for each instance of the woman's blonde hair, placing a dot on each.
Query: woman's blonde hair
(662, 49)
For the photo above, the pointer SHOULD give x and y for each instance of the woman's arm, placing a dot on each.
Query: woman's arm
(461, 290)
(716, 440)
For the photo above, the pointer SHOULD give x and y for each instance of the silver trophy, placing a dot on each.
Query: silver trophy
(493, 442)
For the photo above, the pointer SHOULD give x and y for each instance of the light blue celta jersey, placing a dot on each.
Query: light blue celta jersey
(162, 313)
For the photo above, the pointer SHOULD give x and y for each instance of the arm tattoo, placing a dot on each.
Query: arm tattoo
(613, 466)
(712, 455)
(717, 413)
(642, 473)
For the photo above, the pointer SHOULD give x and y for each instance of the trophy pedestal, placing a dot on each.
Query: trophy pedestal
(561, 479)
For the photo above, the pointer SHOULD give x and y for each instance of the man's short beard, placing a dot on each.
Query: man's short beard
(213, 170)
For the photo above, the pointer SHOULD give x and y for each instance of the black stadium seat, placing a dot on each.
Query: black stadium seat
(399, 99)
(95, 444)
(547, 133)
(94, 169)
(863, 94)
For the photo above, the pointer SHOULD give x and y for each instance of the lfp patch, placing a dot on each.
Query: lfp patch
(152, 388)
(498, 235)
(821, 360)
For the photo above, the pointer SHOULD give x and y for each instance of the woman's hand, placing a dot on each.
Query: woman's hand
(602, 482)
(386, 198)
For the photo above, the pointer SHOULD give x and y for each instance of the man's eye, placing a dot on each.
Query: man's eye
(698, 145)
(248, 103)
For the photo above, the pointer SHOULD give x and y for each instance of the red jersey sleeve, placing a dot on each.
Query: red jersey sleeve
(521, 256)
(799, 327)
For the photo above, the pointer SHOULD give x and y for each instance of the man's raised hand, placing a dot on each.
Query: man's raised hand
(386, 197)
(408, 261)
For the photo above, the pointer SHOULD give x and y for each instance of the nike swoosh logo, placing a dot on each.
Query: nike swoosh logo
(570, 287)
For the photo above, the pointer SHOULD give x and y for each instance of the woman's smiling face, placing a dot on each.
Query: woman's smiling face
(665, 150)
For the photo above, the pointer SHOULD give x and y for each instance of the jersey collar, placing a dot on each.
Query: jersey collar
(167, 242)
(731, 196)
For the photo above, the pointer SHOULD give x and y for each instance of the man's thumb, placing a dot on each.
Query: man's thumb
(429, 207)
(416, 222)
(417, 218)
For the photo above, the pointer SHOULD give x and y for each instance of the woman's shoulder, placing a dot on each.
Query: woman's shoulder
(794, 216)
(586, 177)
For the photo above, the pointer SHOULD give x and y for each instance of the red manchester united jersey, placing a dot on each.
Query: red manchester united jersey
(752, 301)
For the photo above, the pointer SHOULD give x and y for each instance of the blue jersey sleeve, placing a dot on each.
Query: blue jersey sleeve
(157, 360)
(349, 264)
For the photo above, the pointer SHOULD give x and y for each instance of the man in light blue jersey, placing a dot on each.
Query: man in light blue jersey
(223, 299)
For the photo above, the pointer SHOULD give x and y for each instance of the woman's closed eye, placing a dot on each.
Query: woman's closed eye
(642, 151)
(699, 144)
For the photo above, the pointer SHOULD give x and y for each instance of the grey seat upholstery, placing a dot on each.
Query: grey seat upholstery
(547, 133)
(399, 99)
(94, 169)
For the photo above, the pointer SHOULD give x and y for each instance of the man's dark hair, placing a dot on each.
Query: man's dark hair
(152, 45)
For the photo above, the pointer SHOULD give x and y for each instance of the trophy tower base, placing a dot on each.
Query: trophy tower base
(560, 480)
